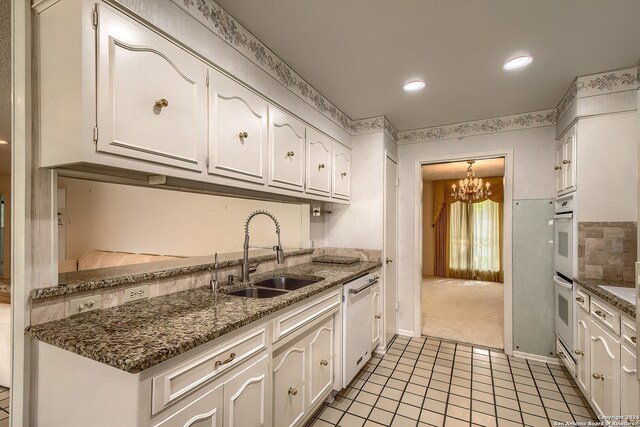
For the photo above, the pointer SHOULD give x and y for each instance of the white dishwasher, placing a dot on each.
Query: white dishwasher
(357, 315)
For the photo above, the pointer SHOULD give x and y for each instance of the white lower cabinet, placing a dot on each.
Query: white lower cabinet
(605, 371)
(583, 352)
(246, 397)
(377, 316)
(303, 374)
(289, 385)
(320, 362)
(629, 385)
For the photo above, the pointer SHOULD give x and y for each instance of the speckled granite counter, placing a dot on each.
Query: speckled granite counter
(593, 286)
(5, 286)
(88, 280)
(136, 336)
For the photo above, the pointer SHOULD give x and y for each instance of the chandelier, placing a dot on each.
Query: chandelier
(471, 188)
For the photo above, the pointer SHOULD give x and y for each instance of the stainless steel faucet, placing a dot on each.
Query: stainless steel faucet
(246, 270)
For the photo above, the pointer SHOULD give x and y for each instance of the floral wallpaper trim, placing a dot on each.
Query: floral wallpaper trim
(480, 127)
(231, 31)
(375, 124)
(599, 84)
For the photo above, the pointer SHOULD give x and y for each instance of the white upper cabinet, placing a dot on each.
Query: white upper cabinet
(286, 150)
(318, 163)
(566, 162)
(151, 95)
(341, 166)
(238, 130)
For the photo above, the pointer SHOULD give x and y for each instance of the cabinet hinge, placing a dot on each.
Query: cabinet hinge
(397, 182)
(94, 18)
(207, 78)
(95, 134)
(207, 161)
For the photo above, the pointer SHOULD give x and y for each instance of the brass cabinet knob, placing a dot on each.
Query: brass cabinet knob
(378, 316)
(633, 339)
(321, 166)
(566, 162)
(388, 260)
(243, 135)
(557, 168)
(324, 362)
(161, 103)
(579, 352)
(598, 377)
(601, 314)
(579, 299)
(290, 153)
(343, 174)
(292, 391)
(561, 354)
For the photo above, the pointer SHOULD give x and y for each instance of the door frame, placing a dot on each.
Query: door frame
(393, 158)
(507, 238)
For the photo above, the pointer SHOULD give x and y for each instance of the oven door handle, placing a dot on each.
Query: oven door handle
(568, 215)
(560, 281)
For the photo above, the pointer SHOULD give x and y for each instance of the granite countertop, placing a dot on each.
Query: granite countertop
(88, 280)
(138, 335)
(593, 286)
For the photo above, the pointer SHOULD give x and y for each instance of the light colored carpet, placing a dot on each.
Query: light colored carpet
(468, 311)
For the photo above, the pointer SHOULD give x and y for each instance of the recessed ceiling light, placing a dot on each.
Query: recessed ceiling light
(3, 142)
(414, 85)
(517, 62)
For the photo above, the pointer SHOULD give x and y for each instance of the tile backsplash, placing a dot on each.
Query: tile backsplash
(607, 251)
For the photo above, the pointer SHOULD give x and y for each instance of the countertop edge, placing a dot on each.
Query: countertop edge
(624, 306)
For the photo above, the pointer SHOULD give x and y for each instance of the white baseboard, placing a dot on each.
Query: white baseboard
(537, 358)
(407, 333)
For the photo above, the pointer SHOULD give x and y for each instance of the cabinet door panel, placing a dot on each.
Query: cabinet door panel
(568, 162)
(318, 163)
(559, 170)
(321, 362)
(630, 387)
(583, 359)
(151, 95)
(245, 397)
(289, 385)
(286, 150)
(205, 411)
(238, 136)
(377, 316)
(341, 185)
(605, 371)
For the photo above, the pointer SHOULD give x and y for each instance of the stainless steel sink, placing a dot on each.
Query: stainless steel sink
(286, 283)
(258, 293)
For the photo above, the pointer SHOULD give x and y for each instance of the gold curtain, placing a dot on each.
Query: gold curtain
(442, 193)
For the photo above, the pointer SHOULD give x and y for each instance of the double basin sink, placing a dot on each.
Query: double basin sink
(274, 287)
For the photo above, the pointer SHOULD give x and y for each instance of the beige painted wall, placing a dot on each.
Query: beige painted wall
(5, 188)
(428, 232)
(147, 220)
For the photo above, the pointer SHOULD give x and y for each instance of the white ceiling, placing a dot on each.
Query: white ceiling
(5, 86)
(482, 169)
(359, 53)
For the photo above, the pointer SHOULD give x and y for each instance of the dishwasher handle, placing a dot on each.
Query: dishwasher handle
(363, 288)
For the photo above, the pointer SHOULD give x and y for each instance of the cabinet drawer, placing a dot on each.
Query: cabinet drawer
(608, 317)
(628, 332)
(293, 320)
(172, 385)
(582, 300)
(563, 353)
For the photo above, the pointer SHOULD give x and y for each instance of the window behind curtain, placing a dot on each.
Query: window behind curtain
(474, 240)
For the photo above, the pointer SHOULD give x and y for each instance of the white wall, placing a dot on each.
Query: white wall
(359, 225)
(147, 220)
(428, 232)
(533, 178)
(607, 167)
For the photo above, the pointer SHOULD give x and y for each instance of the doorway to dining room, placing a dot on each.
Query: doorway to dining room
(462, 249)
